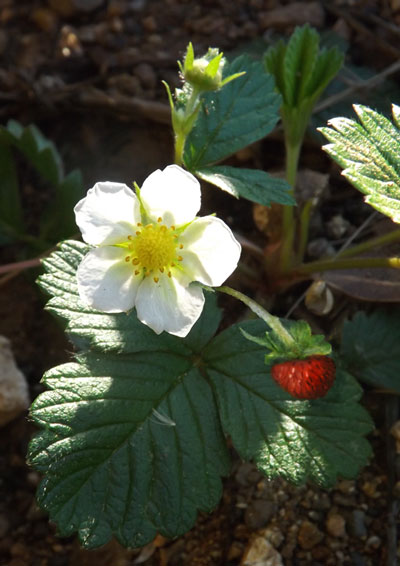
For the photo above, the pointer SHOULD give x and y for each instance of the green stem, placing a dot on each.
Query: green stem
(182, 134)
(304, 225)
(372, 243)
(348, 263)
(180, 139)
(288, 221)
(273, 321)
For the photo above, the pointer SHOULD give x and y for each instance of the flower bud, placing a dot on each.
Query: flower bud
(203, 73)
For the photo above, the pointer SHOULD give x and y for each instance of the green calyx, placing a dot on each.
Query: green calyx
(304, 343)
(205, 73)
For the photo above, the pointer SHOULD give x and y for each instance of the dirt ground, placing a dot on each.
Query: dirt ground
(88, 73)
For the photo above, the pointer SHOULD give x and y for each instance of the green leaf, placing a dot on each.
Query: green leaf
(69, 191)
(301, 70)
(299, 440)
(369, 153)
(242, 112)
(326, 68)
(274, 64)
(252, 184)
(131, 446)
(11, 219)
(132, 441)
(299, 62)
(38, 150)
(370, 348)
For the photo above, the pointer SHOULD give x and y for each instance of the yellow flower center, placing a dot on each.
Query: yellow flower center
(154, 249)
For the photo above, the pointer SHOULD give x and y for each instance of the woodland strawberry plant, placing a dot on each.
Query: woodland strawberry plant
(133, 430)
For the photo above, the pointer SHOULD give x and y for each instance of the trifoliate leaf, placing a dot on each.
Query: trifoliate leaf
(370, 348)
(300, 59)
(251, 184)
(242, 112)
(369, 154)
(302, 71)
(299, 440)
(132, 446)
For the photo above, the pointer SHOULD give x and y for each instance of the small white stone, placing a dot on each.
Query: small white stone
(14, 396)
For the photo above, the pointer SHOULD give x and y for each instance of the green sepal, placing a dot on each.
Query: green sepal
(304, 343)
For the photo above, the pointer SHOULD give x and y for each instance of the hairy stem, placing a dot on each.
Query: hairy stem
(273, 321)
(348, 263)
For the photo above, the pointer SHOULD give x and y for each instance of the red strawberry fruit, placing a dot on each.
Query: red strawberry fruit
(310, 378)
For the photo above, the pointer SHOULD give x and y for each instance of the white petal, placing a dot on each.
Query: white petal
(168, 305)
(106, 281)
(107, 214)
(172, 194)
(211, 252)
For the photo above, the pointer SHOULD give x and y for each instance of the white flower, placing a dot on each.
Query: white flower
(150, 247)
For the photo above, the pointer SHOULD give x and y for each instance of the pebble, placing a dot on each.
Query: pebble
(373, 542)
(14, 397)
(357, 523)
(345, 501)
(336, 525)
(347, 487)
(260, 552)
(273, 534)
(309, 535)
(320, 247)
(247, 475)
(319, 298)
(337, 226)
(294, 14)
(259, 513)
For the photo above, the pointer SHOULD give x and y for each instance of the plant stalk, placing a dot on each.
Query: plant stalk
(370, 244)
(288, 220)
(273, 321)
(348, 263)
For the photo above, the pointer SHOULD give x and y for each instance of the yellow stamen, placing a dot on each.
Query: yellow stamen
(128, 258)
(181, 246)
(156, 279)
(169, 274)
